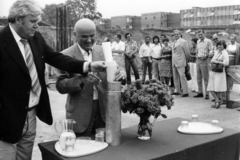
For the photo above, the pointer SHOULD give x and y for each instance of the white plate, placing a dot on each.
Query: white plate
(82, 149)
(200, 128)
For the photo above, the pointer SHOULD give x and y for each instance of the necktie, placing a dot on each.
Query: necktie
(36, 88)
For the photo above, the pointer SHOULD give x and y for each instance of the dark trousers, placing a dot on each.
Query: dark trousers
(96, 121)
(146, 65)
(131, 62)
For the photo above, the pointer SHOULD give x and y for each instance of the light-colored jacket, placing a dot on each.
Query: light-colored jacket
(181, 53)
(80, 100)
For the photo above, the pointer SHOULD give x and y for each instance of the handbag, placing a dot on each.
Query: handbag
(187, 72)
(216, 67)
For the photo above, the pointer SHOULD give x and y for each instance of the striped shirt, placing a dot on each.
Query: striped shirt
(203, 48)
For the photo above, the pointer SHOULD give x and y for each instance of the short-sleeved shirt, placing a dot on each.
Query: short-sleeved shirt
(130, 46)
(144, 50)
(118, 46)
(203, 48)
(156, 51)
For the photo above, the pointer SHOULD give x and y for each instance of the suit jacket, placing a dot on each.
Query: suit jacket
(80, 98)
(15, 82)
(181, 53)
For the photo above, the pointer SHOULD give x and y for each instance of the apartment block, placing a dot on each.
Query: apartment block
(174, 20)
(211, 16)
(155, 20)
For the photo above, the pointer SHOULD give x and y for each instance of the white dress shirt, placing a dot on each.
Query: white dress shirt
(88, 58)
(118, 46)
(145, 50)
(33, 99)
(155, 51)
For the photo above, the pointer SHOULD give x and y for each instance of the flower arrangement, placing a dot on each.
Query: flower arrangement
(146, 99)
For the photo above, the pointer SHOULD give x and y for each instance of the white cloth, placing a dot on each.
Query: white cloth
(193, 72)
(232, 49)
(118, 46)
(33, 99)
(88, 58)
(145, 50)
(155, 51)
(218, 81)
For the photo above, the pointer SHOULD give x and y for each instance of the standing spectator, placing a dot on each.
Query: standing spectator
(204, 46)
(144, 54)
(162, 36)
(217, 80)
(233, 53)
(180, 58)
(130, 57)
(213, 50)
(118, 49)
(192, 64)
(165, 68)
(155, 56)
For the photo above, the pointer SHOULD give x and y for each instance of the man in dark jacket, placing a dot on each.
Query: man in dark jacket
(23, 93)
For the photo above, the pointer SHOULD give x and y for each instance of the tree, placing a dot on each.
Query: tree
(78, 9)
(49, 13)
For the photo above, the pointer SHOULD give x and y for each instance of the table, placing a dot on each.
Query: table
(166, 144)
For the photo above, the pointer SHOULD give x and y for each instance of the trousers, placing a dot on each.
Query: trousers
(22, 150)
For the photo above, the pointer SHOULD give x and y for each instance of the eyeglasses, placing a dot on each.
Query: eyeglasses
(215, 39)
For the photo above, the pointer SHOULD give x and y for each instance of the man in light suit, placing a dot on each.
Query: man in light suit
(23, 93)
(86, 99)
(180, 58)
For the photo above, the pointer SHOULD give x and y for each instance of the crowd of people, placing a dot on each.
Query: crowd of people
(175, 61)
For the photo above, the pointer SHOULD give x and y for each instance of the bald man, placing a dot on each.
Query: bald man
(86, 95)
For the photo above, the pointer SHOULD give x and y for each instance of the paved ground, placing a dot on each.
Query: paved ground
(184, 108)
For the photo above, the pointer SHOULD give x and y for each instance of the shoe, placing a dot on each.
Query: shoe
(175, 93)
(218, 104)
(214, 105)
(238, 109)
(198, 95)
(207, 96)
(213, 100)
(185, 95)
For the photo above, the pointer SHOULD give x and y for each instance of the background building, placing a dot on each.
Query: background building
(136, 23)
(174, 20)
(155, 20)
(211, 16)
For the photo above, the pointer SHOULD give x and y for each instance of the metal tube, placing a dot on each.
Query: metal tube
(113, 114)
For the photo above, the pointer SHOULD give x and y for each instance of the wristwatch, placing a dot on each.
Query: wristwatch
(89, 67)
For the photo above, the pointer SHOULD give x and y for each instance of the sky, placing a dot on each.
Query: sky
(110, 8)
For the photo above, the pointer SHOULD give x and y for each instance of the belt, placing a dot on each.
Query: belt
(202, 58)
(116, 54)
(29, 109)
(156, 58)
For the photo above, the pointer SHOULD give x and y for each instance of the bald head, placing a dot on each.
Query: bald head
(85, 31)
(84, 25)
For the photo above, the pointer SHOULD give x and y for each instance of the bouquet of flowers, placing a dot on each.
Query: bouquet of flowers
(146, 99)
